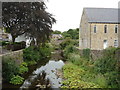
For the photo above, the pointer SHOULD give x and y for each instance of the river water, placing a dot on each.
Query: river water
(44, 76)
(50, 69)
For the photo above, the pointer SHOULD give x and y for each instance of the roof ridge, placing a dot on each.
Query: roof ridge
(98, 8)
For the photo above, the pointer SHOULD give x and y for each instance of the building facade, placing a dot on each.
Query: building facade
(98, 28)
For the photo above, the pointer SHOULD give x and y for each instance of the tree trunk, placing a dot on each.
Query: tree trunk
(13, 39)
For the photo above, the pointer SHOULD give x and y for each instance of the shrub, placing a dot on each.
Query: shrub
(74, 58)
(108, 62)
(31, 54)
(16, 80)
(23, 68)
(86, 53)
(100, 80)
(108, 65)
(9, 68)
(113, 79)
(67, 42)
(70, 49)
(45, 51)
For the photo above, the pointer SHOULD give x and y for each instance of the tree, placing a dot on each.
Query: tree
(29, 18)
(72, 33)
(56, 32)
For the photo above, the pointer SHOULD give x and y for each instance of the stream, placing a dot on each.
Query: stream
(44, 76)
(50, 70)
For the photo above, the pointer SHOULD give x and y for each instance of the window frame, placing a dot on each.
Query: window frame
(105, 28)
(115, 43)
(116, 29)
(95, 29)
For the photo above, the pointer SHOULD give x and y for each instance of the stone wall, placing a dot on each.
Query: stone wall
(97, 39)
(17, 56)
(94, 54)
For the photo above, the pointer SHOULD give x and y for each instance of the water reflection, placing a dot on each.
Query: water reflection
(49, 74)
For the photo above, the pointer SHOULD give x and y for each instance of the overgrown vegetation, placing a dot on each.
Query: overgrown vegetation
(82, 72)
(108, 65)
(67, 42)
(9, 68)
(33, 54)
(11, 72)
(74, 77)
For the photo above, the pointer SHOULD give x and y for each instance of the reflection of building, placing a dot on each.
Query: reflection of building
(56, 36)
(99, 28)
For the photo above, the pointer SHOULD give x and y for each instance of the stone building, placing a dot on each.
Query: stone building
(99, 28)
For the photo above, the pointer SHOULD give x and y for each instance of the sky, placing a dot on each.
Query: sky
(68, 12)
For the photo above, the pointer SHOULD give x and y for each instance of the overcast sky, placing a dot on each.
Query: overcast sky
(68, 12)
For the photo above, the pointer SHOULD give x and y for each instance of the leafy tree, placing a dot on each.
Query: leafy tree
(29, 18)
(72, 33)
(56, 32)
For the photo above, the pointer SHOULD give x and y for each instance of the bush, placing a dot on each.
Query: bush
(46, 50)
(23, 68)
(32, 54)
(69, 49)
(113, 79)
(74, 58)
(108, 66)
(9, 68)
(16, 80)
(67, 42)
(86, 53)
(108, 62)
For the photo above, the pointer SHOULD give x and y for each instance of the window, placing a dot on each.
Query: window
(105, 29)
(94, 28)
(116, 28)
(105, 44)
(116, 43)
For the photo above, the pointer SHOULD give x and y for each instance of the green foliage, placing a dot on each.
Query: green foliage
(74, 58)
(56, 32)
(46, 50)
(108, 62)
(72, 33)
(113, 79)
(16, 80)
(69, 49)
(23, 68)
(9, 68)
(67, 42)
(31, 63)
(86, 53)
(73, 78)
(32, 54)
(108, 65)
(3, 43)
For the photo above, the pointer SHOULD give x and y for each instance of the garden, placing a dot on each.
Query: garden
(80, 71)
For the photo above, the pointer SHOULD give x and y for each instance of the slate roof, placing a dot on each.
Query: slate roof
(103, 15)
